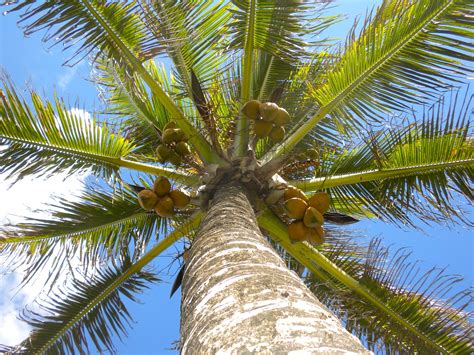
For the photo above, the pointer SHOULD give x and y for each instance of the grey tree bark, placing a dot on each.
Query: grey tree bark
(239, 297)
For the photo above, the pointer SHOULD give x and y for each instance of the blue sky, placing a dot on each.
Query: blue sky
(29, 62)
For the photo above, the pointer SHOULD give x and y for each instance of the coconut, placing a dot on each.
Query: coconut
(164, 207)
(320, 201)
(251, 109)
(163, 151)
(277, 134)
(262, 128)
(268, 110)
(182, 148)
(282, 117)
(292, 191)
(180, 198)
(297, 231)
(147, 199)
(295, 207)
(316, 236)
(174, 158)
(312, 217)
(161, 186)
(170, 125)
(171, 135)
(312, 153)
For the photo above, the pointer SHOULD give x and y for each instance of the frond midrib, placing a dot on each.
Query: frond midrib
(378, 174)
(137, 266)
(55, 147)
(32, 239)
(278, 231)
(328, 107)
(109, 159)
(201, 145)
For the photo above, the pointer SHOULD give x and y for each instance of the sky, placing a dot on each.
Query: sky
(31, 63)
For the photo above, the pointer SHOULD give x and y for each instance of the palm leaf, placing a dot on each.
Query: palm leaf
(104, 26)
(96, 303)
(53, 139)
(86, 33)
(416, 295)
(447, 334)
(97, 227)
(191, 35)
(274, 28)
(92, 308)
(396, 61)
(394, 170)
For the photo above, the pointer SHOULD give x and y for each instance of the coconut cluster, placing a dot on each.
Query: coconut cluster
(307, 214)
(162, 199)
(173, 146)
(268, 118)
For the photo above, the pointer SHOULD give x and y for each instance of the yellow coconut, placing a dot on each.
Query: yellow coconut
(312, 153)
(297, 231)
(282, 117)
(182, 148)
(295, 207)
(174, 158)
(316, 236)
(312, 217)
(277, 134)
(164, 207)
(147, 199)
(161, 186)
(163, 151)
(180, 198)
(262, 128)
(251, 109)
(268, 111)
(320, 201)
(170, 125)
(170, 135)
(292, 191)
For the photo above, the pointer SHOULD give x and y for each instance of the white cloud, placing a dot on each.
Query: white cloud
(24, 200)
(68, 74)
(19, 202)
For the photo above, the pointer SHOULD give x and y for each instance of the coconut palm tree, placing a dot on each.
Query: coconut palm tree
(250, 138)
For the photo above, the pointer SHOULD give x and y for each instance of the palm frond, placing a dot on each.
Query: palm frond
(97, 227)
(276, 29)
(397, 61)
(76, 25)
(192, 34)
(102, 26)
(95, 306)
(52, 138)
(92, 308)
(425, 299)
(128, 101)
(434, 326)
(414, 170)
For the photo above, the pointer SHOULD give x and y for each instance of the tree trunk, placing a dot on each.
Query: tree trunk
(239, 297)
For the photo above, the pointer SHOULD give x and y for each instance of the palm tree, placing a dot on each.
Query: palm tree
(269, 133)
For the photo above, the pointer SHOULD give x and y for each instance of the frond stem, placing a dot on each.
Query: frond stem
(306, 127)
(311, 258)
(371, 175)
(178, 233)
(196, 139)
(242, 133)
